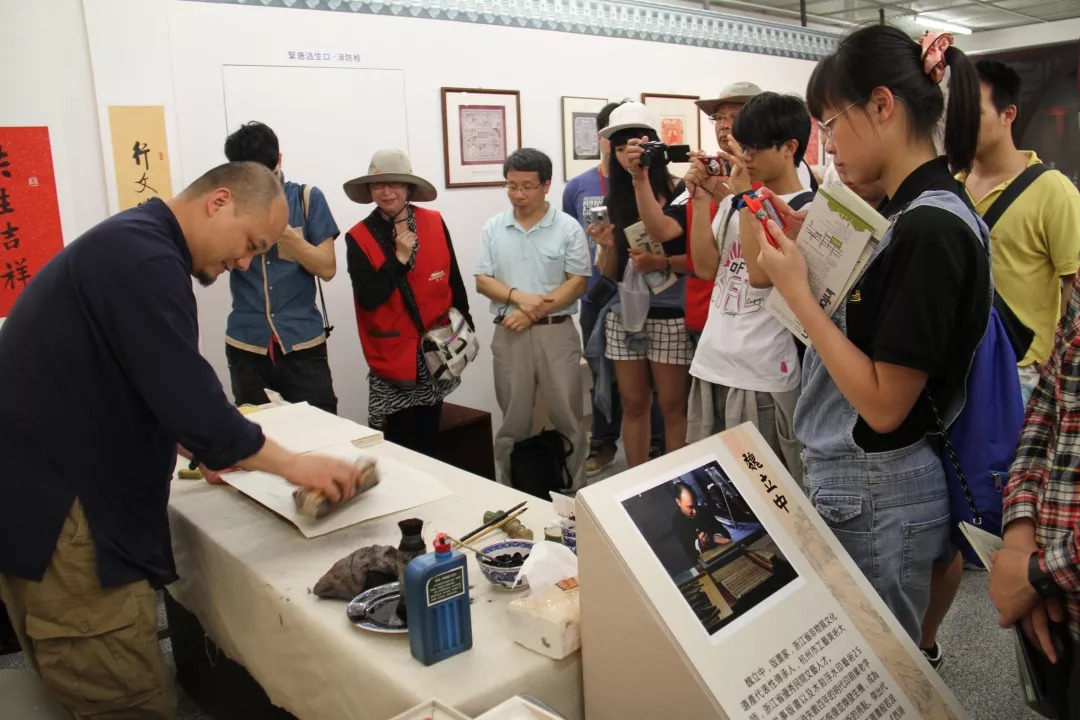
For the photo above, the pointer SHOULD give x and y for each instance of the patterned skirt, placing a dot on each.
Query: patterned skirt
(385, 399)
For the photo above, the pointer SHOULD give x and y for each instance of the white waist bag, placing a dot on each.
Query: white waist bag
(449, 349)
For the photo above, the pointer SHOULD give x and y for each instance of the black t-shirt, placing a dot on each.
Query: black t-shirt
(675, 246)
(923, 303)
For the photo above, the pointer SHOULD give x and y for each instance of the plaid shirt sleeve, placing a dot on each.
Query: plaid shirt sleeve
(1044, 481)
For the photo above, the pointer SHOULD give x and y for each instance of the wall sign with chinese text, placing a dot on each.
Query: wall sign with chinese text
(140, 154)
(29, 212)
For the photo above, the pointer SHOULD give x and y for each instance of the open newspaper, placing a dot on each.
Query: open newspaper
(837, 239)
(638, 237)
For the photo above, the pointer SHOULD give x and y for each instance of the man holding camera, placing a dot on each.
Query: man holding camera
(533, 265)
(275, 337)
(583, 196)
(746, 367)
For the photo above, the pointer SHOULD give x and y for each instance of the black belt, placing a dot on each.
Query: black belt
(552, 320)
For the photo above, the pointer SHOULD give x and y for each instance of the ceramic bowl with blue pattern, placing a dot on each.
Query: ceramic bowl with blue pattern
(504, 577)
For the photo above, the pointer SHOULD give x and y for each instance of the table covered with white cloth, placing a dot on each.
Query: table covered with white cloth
(247, 575)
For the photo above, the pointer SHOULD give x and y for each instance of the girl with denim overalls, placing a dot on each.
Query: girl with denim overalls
(902, 341)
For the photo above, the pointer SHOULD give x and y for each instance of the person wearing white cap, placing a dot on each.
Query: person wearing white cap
(655, 348)
(404, 275)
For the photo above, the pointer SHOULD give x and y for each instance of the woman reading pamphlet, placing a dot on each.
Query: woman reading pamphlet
(901, 342)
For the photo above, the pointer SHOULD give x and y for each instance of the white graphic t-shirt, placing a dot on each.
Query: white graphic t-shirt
(743, 346)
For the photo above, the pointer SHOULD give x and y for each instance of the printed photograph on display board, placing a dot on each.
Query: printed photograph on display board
(480, 129)
(581, 141)
(680, 123)
(710, 543)
(30, 232)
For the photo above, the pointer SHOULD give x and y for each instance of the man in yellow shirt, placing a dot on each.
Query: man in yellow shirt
(1035, 244)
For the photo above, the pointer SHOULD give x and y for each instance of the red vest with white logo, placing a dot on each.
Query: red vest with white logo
(388, 334)
(698, 291)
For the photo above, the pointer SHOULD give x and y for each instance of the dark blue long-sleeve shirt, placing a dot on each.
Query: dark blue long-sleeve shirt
(100, 378)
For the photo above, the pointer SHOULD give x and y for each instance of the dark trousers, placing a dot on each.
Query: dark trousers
(603, 430)
(416, 428)
(1072, 709)
(300, 376)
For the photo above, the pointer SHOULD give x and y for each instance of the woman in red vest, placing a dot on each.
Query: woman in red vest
(404, 276)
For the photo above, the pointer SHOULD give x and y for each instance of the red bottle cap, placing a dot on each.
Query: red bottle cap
(442, 545)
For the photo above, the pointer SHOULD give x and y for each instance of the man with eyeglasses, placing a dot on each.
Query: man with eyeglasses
(722, 111)
(533, 265)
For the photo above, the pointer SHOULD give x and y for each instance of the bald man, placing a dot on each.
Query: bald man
(101, 379)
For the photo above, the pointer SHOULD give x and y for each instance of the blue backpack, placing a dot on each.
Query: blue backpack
(979, 447)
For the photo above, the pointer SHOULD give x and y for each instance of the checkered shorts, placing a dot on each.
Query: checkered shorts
(669, 342)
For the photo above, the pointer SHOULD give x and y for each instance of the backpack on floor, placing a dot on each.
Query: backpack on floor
(538, 464)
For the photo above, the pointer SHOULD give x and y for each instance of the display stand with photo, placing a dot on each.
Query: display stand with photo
(708, 573)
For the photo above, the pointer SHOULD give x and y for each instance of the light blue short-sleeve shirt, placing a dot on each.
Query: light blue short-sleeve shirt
(536, 260)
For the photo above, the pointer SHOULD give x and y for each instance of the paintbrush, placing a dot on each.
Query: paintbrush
(499, 525)
(497, 519)
(479, 553)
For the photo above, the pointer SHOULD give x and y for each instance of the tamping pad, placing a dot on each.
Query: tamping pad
(312, 503)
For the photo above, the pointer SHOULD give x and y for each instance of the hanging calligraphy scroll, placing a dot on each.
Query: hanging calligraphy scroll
(140, 154)
(29, 212)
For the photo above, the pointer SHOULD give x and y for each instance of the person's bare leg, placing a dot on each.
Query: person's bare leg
(636, 393)
(673, 389)
(944, 584)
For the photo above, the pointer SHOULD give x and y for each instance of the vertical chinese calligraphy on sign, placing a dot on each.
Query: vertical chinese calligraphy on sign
(140, 154)
(29, 212)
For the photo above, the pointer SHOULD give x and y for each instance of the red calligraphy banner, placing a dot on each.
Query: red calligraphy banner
(29, 211)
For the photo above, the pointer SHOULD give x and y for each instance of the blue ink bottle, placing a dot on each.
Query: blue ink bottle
(437, 600)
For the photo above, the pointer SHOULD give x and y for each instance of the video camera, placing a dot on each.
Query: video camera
(660, 154)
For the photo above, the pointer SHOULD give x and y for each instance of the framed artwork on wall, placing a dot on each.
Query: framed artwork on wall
(480, 129)
(680, 122)
(581, 144)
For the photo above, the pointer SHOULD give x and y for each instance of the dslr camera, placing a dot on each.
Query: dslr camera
(658, 153)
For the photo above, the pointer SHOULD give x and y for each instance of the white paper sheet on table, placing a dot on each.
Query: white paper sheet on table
(301, 428)
(401, 487)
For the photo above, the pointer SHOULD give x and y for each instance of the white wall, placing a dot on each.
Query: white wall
(47, 81)
(543, 65)
(1018, 37)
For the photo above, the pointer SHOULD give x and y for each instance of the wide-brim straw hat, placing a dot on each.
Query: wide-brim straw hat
(739, 92)
(388, 166)
(631, 116)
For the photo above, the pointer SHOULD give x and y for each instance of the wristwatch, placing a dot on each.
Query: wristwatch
(737, 200)
(1042, 582)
